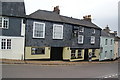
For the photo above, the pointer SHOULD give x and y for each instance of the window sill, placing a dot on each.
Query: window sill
(38, 38)
(80, 57)
(93, 56)
(37, 54)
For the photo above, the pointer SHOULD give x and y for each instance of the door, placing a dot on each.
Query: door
(56, 53)
(86, 55)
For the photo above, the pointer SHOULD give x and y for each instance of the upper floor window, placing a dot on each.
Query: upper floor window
(81, 29)
(6, 44)
(4, 22)
(57, 31)
(106, 41)
(80, 39)
(38, 30)
(93, 31)
(111, 42)
(92, 39)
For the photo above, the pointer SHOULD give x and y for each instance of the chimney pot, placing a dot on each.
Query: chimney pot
(56, 9)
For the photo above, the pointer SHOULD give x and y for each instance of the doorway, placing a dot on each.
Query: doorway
(56, 53)
(86, 55)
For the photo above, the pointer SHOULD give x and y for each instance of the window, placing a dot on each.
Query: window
(38, 30)
(80, 39)
(111, 41)
(4, 22)
(57, 31)
(79, 53)
(93, 53)
(81, 29)
(93, 31)
(92, 39)
(6, 44)
(73, 54)
(106, 40)
(37, 51)
(105, 54)
(0, 22)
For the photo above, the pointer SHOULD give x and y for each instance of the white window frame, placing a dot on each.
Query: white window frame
(4, 19)
(92, 40)
(80, 38)
(34, 30)
(56, 37)
(6, 44)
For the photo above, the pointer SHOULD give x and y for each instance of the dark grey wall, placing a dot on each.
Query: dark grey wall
(14, 28)
(68, 39)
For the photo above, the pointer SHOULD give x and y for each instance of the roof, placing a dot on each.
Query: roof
(13, 9)
(52, 16)
(117, 38)
(105, 34)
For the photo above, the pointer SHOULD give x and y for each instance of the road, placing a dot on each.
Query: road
(90, 70)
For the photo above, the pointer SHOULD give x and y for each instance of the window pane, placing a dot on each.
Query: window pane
(106, 42)
(0, 22)
(92, 39)
(79, 53)
(35, 51)
(8, 43)
(5, 22)
(39, 30)
(80, 38)
(73, 54)
(58, 32)
(3, 44)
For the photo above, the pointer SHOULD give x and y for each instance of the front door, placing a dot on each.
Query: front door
(56, 53)
(86, 55)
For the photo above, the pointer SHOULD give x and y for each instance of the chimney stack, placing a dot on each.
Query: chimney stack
(107, 29)
(87, 18)
(56, 10)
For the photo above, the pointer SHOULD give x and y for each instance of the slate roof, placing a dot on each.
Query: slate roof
(52, 16)
(16, 9)
(117, 38)
(105, 34)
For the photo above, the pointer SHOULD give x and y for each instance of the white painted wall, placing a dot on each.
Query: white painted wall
(17, 51)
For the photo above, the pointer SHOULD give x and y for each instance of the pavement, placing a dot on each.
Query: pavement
(38, 62)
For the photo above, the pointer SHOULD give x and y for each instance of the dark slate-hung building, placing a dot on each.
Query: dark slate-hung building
(49, 35)
(12, 30)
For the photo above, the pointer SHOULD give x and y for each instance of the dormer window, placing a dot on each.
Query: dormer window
(81, 29)
(4, 22)
(93, 31)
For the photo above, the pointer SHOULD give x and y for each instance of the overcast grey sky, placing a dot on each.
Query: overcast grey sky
(104, 12)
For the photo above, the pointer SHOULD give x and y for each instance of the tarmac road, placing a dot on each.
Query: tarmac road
(103, 70)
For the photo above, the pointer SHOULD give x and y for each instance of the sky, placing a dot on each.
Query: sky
(103, 12)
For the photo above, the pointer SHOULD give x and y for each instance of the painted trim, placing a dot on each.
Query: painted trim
(53, 31)
(34, 29)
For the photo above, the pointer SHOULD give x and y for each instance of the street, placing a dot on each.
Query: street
(103, 70)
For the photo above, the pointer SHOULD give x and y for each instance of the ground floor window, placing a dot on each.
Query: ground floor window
(5, 43)
(93, 53)
(37, 51)
(79, 53)
(105, 54)
(73, 53)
